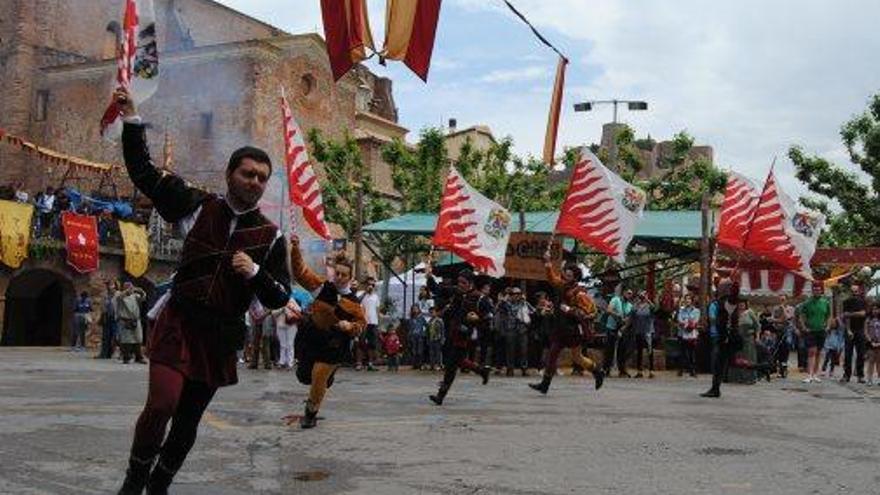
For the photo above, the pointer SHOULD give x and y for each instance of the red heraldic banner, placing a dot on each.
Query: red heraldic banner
(81, 238)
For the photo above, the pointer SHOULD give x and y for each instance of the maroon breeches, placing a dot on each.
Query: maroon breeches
(171, 397)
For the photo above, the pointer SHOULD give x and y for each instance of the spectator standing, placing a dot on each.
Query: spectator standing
(82, 316)
(128, 317)
(872, 340)
(21, 195)
(392, 347)
(516, 336)
(616, 317)
(417, 336)
(747, 326)
(835, 343)
(369, 339)
(815, 318)
(107, 321)
(643, 332)
(688, 323)
(45, 203)
(436, 334)
(286, 320)
(854, 315)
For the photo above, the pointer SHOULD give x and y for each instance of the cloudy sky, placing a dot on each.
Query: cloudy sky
(748, 77)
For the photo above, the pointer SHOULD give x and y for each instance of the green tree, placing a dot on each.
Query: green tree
(686, 179)
(418, 172)
(857, 222)
(347, 178)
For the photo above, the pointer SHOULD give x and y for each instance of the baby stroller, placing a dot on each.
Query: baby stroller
(774, 353)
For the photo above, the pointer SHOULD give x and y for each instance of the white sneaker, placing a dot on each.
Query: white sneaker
(808, 379)
(817, 380)
(869, 383)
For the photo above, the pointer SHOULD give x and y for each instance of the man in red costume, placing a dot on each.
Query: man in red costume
(231, 255)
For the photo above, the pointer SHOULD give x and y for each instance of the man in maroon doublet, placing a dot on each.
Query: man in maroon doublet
(231, 254)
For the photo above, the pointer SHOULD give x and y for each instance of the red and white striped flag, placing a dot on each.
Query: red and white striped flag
(137, 62)
(782, 232)
(600, 209)
(737, 210)
(472, 226)
(303, 188)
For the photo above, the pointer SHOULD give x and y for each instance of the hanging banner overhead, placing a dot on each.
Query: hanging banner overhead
(15, 232)
(410, 29)
(81, 241)
(137, 248)
(347, 31)
(555, 112)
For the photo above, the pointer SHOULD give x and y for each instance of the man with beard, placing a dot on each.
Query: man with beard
(576, 314)
(231, 254)
(324, 338)
(461, 314)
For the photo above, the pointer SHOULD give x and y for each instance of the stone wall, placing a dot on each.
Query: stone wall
(110, 267)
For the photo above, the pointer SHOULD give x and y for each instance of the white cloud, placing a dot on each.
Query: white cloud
(528, 73)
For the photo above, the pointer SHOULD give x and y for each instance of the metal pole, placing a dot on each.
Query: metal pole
(704, 261)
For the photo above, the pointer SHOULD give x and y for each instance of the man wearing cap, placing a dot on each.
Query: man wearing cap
(576, 312)
(461, 315)
(231, 254)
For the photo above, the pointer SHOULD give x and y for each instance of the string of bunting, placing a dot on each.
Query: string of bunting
(56, 157)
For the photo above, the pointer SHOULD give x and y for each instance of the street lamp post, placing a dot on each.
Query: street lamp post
(632, 105)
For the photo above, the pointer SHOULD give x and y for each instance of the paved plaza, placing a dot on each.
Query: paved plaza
(67, 423)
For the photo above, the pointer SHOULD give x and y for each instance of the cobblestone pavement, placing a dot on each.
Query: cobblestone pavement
(66, 423)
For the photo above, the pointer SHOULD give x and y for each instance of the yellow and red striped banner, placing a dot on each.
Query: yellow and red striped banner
(347, 31)
(555, 110)
(410, 29)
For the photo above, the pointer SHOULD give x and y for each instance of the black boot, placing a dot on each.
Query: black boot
(599, 377)
(440, 395)
(712, 393)
(484, 372)
(309, 418)
(160, 480)
(544, 386)
(136, 477)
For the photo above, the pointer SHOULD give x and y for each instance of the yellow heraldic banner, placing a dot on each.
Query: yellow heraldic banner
(137, 248)
(15, 232)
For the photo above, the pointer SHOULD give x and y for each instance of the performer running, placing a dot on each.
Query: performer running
(231, 254)
(324, 339)
(461, 313)
(576, 312)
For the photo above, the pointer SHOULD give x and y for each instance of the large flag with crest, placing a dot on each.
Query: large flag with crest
(137, 62)
(472, 226)
(782, 231)
(737, 210)
(600, 209)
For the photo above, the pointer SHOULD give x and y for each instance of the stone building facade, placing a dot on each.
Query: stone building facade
(221, 77)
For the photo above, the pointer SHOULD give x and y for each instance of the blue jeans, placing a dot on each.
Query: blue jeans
(435, 352)
(417, 349)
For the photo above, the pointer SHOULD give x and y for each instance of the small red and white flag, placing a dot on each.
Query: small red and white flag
(600, 209)
(472, 226)
(303, 188)
(737, 210)
(137, 62)
(783, 232)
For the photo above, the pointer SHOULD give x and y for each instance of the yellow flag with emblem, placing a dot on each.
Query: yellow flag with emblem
(15, 232)
(137, 248)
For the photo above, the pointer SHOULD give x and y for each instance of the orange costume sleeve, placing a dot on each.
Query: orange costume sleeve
(300, 271)
(354, 313)
(553, 276)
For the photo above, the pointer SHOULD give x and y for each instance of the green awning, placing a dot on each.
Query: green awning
(655, 224)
